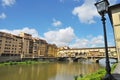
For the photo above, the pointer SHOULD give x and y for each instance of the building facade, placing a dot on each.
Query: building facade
(26, 41)
(24, 45)
(40, 47)
(10, 44)
(52, 50)
(114, 15)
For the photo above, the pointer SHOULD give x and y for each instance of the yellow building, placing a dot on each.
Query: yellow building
(114, 14)
(25, 45)
(10, 44)
(39, 47)
(52, 50)
(26, 41)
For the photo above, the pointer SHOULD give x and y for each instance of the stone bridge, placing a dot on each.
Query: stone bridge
(80, 58)
(95, 54)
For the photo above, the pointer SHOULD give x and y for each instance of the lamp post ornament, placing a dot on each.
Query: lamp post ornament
(102, 8)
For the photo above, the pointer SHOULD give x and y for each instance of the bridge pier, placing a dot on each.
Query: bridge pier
(97, 61)
(70, 59)
(61, 59)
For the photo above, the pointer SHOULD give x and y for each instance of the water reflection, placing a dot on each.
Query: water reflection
(102, 61)
(46, 71)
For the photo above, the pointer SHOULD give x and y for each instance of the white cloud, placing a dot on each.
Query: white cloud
(3, 16)
(67, 37)
(97, 41)
(8, 2)
(86, 12)
(56, 23)
(80, 43)
(64, 37)
(31, 31)
(60, 37)
(88, 42)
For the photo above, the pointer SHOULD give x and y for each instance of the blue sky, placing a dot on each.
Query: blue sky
(73, 23)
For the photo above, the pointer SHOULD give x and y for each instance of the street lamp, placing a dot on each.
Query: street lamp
(102, 8)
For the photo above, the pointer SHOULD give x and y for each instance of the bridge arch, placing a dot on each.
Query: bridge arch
(111, 58)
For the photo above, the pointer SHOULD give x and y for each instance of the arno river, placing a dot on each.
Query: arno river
(47, 71)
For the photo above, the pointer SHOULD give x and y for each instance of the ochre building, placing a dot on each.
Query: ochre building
(24, 45)
(114, 14)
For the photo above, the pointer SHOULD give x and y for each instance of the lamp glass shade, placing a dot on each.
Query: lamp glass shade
(102, 6)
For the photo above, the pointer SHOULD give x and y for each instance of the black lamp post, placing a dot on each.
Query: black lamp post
(102, 8)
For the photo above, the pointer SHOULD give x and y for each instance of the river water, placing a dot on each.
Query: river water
(47, 71)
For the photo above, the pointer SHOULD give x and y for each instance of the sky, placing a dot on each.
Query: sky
(73, 23)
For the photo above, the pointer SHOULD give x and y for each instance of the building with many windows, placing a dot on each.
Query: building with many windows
(10, 44)
(26, 41)
(39, 47)
(24, 45)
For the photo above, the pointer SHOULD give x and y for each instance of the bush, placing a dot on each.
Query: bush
(96, 75)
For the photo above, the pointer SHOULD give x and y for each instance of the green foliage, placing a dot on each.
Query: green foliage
(23, 62)
(96, 75)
